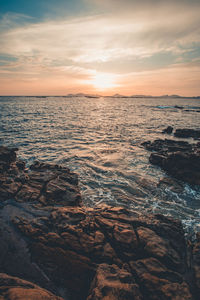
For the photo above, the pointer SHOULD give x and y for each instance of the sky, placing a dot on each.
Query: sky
(129, 47)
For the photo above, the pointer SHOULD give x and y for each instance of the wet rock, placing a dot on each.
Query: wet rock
(159, 282)
(82, 253)
(183, 166)
(187, 133)
(179, 159)
(178, 106)
(13, 288)
(155, 246)
(166, 146)
(196, 264)
(8, 160)
(77, 246)
(113, 283)
(168, 130)
(7, 155)
(45, 184)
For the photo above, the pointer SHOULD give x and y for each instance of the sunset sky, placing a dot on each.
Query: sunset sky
(57, 47)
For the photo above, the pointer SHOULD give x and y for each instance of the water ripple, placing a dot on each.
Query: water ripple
(100, 139)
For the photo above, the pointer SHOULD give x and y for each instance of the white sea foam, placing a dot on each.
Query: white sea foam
(101, 140)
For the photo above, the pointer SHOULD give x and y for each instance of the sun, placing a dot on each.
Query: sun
(102, 81)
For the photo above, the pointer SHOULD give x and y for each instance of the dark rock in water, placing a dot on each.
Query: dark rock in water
(179, 159)
(187, 133)
(168, 130)
(183, 166)
(81, 253)
(178, 106)
(7, 154)
(166, 146)
(13, 288)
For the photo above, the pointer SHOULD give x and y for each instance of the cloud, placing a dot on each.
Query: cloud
(128, 37)
(101, 38)
(127, 5)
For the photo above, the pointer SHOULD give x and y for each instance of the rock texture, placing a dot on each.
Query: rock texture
(187, 133)
(13, 288)
(183, 132)
(80, 253)
(168, 130)
(178, 158)
(43, 183)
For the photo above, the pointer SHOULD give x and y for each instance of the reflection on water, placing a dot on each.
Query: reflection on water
(100, 140)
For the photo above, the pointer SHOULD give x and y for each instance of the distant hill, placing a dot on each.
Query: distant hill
(132, 96)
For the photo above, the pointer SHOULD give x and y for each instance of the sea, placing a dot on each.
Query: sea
(100, 139)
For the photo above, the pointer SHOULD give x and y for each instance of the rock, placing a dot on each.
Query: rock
(158, 282)
(196, 265)
(166, 146)
(8, 159)
(187, 133)
(168, 130)
(13, 288)
(77, 246)
(113, 283)
(178, 106)
(183, 166)
(7, 155)
(83, 253)
(179, 159)
(45, 184)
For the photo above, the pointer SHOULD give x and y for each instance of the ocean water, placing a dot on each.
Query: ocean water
(100, 139)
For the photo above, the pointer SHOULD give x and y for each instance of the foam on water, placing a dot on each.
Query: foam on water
(101, 140)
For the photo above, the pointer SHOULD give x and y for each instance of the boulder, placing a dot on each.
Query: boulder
(168, 130)
(43, 184)
(94, 252)
(81, 253)
(187, 133)
(113, 283)
(13, 288)
(178, 158)
(166, 146)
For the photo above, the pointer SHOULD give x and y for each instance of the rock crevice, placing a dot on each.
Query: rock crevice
(79, 253)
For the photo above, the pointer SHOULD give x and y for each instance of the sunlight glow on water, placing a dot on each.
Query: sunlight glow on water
(101, 140)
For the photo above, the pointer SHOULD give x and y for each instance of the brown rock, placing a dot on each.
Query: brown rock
(13, 288)
(46, 184)
(158, 281)
(113, 283)
(157, 246)
(99, 253)
(179, 159)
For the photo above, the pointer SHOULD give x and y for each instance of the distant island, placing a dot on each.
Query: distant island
(132, 96)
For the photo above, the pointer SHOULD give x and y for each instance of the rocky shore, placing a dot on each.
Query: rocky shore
(53, 247)
(183, 132)
(179, 159)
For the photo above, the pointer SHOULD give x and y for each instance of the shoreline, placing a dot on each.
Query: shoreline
(51, 239)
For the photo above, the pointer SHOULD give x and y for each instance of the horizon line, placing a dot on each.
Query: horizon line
(99, 95)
